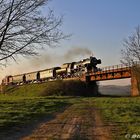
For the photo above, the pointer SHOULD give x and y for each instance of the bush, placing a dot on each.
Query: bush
(69, 88)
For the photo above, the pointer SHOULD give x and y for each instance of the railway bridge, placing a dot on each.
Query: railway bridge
(121, 71)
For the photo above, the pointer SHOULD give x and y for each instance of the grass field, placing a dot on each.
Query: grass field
(17, 112)
(25, 107)
(122, 112)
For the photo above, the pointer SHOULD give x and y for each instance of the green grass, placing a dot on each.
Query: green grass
(33, 90)
(59, 88)
(29, 90)
(17, 112)
(28, 103)
(123, 112)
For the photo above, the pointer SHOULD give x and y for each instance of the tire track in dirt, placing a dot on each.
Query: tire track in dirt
(80, 121)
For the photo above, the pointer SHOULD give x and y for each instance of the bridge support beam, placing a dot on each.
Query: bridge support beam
(92, 87)
(134, 84)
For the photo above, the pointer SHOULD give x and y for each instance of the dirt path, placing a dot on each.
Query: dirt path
(79, 122)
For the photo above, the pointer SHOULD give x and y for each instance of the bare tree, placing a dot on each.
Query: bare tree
(131, 52)
(24, 29)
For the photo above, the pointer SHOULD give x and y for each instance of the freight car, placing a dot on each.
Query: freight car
(7, 80)
(32, 76)
(18, 79)
(48, 74)
(67, 70)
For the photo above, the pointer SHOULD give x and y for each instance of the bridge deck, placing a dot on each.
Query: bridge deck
(106, 73)
(111, 72)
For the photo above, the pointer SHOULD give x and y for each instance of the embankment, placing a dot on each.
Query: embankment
(59, 87)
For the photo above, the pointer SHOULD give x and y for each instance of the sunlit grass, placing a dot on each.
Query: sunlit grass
(123, 112)
(17, 112)
(26, 104)
(51, 88)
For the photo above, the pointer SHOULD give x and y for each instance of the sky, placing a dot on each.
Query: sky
(97, 25)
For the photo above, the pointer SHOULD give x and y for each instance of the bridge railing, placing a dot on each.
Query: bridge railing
(115, 67)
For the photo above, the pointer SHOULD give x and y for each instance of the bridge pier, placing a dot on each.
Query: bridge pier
(134, 83)
(92, 87)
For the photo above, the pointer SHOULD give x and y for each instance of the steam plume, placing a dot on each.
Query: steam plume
(76, 52)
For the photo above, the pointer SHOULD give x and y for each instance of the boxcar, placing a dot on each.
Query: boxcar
(19, 78)
(10, 79)
(7, 80)
(32, 76)
(48, 73)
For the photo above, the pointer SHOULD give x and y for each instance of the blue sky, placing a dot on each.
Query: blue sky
(99, 25)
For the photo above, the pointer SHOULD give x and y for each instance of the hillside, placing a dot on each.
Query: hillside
(115, 90)
(66, 88)
(59, 87)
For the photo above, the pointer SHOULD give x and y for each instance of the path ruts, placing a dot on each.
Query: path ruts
(80, 121)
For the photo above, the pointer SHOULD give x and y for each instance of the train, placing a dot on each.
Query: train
(67, 70)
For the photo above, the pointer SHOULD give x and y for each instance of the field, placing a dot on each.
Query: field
(21, 113)
(123, 113)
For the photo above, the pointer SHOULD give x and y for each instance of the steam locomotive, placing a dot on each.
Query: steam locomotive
(67, 70)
